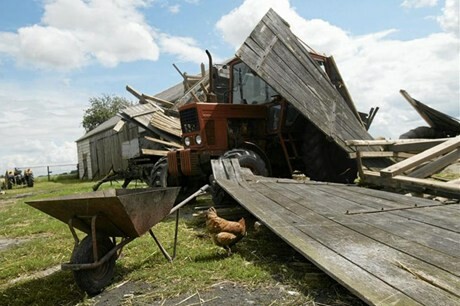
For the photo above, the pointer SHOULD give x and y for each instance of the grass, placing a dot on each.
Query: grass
(261, 259)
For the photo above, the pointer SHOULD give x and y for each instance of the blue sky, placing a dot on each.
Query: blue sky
(56, 54)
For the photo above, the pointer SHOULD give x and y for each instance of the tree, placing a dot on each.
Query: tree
(101, 109)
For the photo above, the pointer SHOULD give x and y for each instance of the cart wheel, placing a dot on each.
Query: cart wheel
(93, 281)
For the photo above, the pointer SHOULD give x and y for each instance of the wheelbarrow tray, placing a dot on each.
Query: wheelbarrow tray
(119, 212)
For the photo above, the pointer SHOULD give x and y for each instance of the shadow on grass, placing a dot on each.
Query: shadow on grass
(56, 289)
(265, 249)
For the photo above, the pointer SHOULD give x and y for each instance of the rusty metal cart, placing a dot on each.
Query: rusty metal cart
(105, 215)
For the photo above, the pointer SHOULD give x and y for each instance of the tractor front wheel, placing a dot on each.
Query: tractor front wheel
(247, 159)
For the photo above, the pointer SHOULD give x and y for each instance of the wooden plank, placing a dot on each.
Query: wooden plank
(427, 211)
(366, 253)
(218, 170)
(357, 280)
(362, 251)
(377, 154)
(187, 97)
(231, 176)
(388, 142)
(294, 74)
(430, 186)
(158, 100)
(411, 162)
(436, 165)
(154, 152)
(334, 203)
(166, 143)
(134, 92)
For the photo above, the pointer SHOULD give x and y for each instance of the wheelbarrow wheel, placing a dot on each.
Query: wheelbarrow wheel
(93, 281)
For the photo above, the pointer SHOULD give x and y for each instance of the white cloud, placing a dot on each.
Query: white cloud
(236, 25)
(185, 48)
(449, 20)
(45, 124)
(374, 66)
(75, 33)
(418, 3)
(174, 9)
(72, 32)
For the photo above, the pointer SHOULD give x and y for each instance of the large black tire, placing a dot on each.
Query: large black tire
(247, 159)
(30, 180)
(93, 281)
(159, 174)
(324, 160)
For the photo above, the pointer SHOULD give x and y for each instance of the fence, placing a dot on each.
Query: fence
(50, 170)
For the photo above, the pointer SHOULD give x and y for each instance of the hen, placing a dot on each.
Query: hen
(224, 233)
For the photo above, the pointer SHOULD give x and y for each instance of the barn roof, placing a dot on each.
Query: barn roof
(109, 124)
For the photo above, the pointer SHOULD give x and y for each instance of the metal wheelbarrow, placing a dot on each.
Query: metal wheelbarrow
(105, 215)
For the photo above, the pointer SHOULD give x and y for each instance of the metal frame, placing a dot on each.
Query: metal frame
(125, 240)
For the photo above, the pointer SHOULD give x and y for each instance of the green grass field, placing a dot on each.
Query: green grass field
(261, 259)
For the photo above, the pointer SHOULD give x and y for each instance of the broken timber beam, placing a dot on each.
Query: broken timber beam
(154, 152)
(416, 160)
(166, 143)
(156, 99)
(436, 165)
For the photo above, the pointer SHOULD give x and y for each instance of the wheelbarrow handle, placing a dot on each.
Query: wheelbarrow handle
(200, 191)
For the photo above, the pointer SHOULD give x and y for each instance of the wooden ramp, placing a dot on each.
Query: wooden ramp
(386, 248)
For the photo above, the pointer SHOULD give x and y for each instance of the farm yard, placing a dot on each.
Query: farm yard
(262, 271)
(303, 206)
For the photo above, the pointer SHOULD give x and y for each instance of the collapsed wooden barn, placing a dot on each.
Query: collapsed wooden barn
(104, 148)
(139, 134)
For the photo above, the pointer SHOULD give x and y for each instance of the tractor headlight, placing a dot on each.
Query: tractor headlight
(198, 139)
(187, 141)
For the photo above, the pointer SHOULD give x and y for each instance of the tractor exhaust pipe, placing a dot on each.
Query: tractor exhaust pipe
(211, 96)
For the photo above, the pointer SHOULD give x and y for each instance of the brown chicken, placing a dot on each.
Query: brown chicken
(224, 233)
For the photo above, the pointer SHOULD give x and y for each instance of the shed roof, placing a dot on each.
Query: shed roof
(100, 128)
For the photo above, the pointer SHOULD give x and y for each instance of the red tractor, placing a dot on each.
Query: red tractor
(250, 121)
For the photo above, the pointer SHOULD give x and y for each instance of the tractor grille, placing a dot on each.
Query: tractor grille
(210, 132)
(189, 120)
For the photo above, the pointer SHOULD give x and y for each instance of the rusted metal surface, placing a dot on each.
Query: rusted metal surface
(121, 212)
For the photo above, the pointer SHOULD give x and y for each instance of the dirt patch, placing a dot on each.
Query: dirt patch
(37, 275)
(6, 243)
(224, 293)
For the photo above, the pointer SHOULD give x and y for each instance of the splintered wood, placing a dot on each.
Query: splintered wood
(158, 113)
(166, 123)
(413, 169)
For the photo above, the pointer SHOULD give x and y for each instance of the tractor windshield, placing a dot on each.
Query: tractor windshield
(249, 88)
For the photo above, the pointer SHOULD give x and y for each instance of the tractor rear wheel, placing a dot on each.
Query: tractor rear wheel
(30, 180)
(324, 160)
(93, 281)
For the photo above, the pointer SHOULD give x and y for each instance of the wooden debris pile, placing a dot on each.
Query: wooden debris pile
(158, 113)
(416, 163)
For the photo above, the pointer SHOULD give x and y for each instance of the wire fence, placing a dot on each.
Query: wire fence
(50, 170)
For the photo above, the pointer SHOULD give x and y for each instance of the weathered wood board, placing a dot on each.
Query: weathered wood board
(386, 248)
(278, 57)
